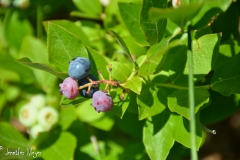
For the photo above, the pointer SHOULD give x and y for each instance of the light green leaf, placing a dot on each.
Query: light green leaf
(134, 84)
(58, 150)
(122, 44)
(119, 71)
(130, 15)
(153, 30)
(203, 50)
(105, 123)
(43, 67)
(154, 56)
(65, 103)
(178, 101)
(151, 101)
(87, 113)
(63, 46)
(177, 15)
(226, 78)
(92, 7)
(157, 136)
(71, 27)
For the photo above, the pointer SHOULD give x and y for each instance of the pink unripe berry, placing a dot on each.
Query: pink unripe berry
(69, 88)
(101, 101)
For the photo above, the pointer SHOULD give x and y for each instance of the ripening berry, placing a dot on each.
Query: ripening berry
(101, 101)
(69, 88)
(176, 3)
(35, 130)
(37, 101)
(47, 117)
(79, 68)
(93, 89)
(28, 115)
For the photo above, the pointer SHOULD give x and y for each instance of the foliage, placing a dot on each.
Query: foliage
(145, 43)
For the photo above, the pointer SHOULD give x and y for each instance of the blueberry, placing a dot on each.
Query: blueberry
(101, 101)
(69, 88)
(79, 68)
(92, 89)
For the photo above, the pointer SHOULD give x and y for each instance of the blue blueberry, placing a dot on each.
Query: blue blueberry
(84, 90)
(79, 68)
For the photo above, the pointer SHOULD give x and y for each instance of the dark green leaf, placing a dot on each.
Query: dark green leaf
(85, 15)
(209, 12)
(130, 15)
(178, 63)
(219, 108)
(178, 101)
(43, 67)
(151, 101)
(68, 103)
(226, 78)
(63, 46)
(177, 15)
(153, 30)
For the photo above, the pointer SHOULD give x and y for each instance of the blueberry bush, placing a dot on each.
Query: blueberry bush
(108, 79)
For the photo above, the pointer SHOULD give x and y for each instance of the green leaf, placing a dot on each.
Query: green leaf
(119, 105)
(178, 101)
(157, 136)
(226, 78)
(63, 46)
(87, 113)
(178, 63)
(130, 16)
(85, 15)
(68, 116)
(204, 50)
(181, 130)
(119, 71)
(134, 84)
(98, 63)
(16, 25)
(43, 67)
(148, 65)
(226, 51)
(70, 27)
(209, 12)
(219, 108)
(153, 30)
(122, 44)
(92, 7)
(151, 101)
(10, 137)
(13, 69)
(58, 150)
(105, 123)
(177, 15)
(65, 103)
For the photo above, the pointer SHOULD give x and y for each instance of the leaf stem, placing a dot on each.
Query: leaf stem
(191, 96)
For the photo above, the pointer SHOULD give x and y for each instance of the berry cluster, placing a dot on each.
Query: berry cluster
(82, 83)
(37, 116)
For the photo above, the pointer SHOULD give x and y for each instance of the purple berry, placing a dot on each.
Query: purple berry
(79, 68)
(93, 89)
(69, 88)
(101, 101)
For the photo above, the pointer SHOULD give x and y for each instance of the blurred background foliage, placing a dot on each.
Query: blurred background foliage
(23, 34)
